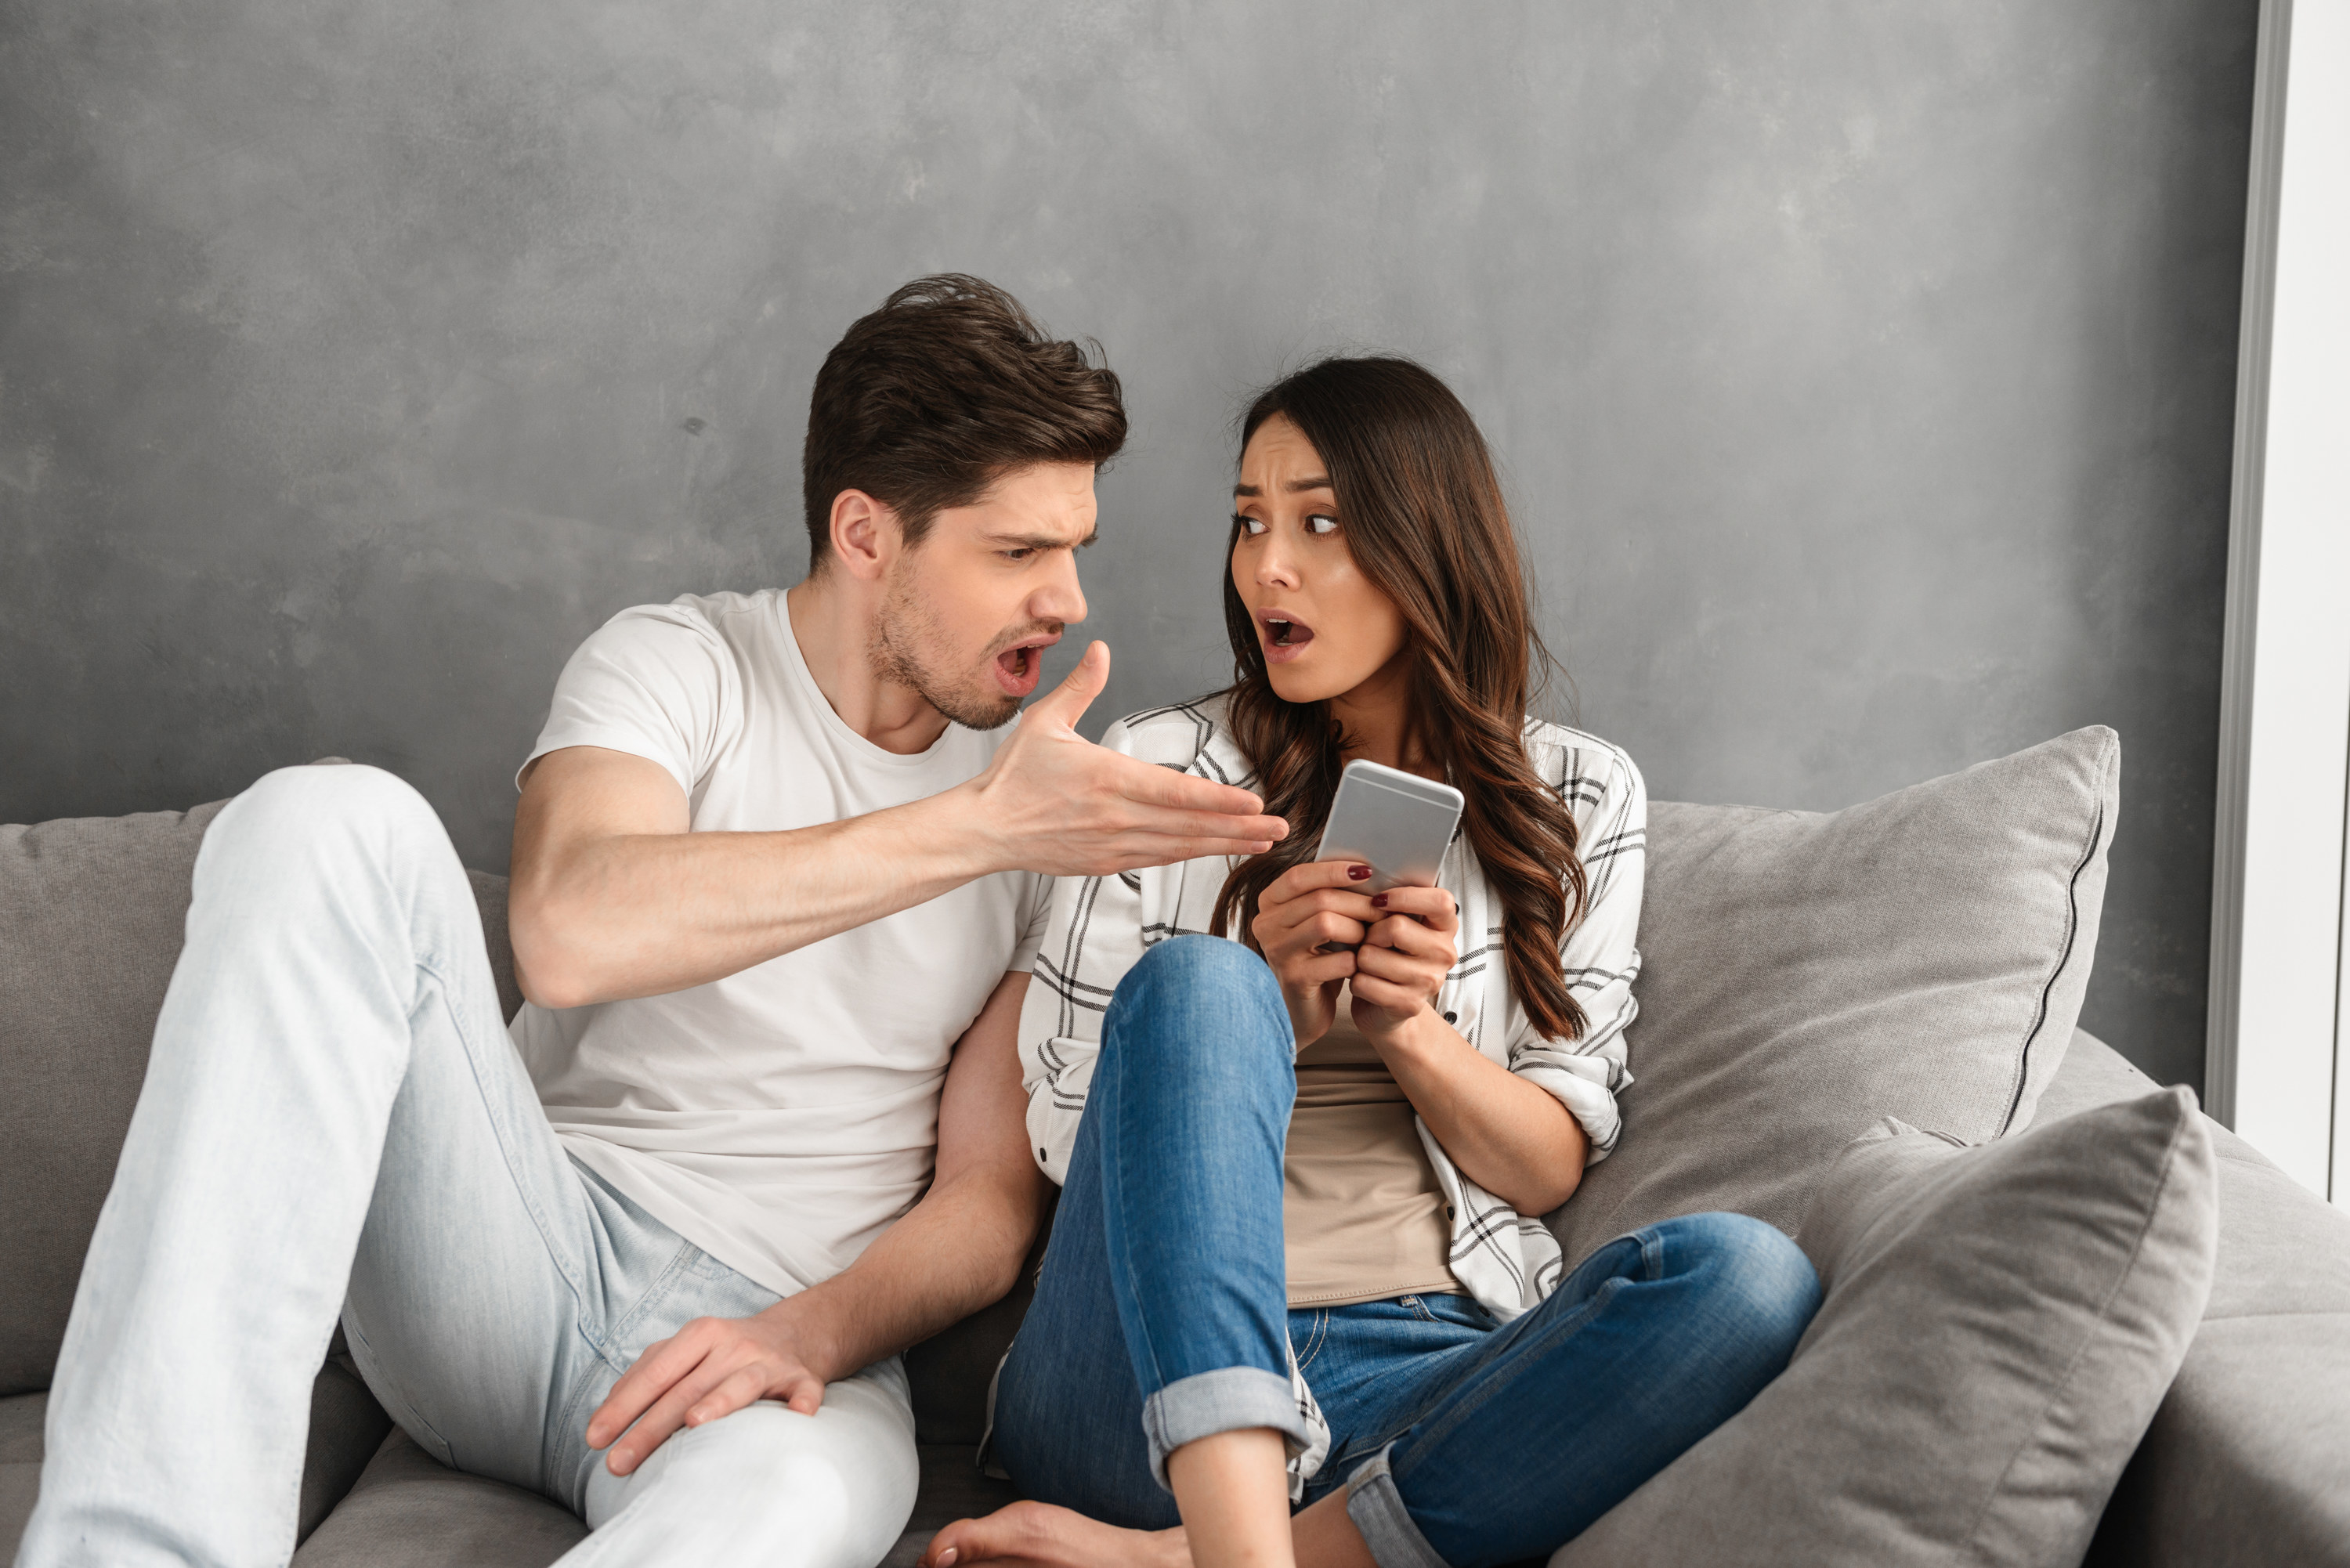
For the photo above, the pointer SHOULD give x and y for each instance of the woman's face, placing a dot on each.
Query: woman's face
(1323, 628)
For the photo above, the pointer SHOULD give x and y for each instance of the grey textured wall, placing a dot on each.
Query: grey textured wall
(1863, 372)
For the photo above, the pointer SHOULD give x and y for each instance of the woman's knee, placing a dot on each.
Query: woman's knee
(1201, 993)
(1749, 1270)
(1194, 963)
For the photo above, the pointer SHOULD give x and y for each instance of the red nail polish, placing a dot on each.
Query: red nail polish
(1358, 872)
(1378, 900)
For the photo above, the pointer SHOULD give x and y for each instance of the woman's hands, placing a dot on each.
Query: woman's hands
(1306, 918)
(1403, 943)
(1400, 967)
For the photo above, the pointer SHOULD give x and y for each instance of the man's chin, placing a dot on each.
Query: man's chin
(976, 707)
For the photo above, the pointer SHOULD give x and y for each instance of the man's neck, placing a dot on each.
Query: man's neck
(832, 619)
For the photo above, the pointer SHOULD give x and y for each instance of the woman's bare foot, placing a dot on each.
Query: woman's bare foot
(1039, 1535)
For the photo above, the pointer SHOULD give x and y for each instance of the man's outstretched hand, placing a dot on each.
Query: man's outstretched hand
(711, 1367)
(1053, 802)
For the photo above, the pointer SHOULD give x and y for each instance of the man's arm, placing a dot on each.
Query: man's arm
(613, 898)
(955, 1251)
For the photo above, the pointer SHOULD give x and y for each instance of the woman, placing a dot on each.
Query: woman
(1297, 1258)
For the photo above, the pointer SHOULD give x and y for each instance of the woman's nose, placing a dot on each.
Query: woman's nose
(1275, 569)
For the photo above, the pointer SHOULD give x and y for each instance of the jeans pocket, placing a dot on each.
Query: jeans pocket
(1317, 1335)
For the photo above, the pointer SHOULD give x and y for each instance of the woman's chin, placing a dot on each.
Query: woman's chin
(1291, 683)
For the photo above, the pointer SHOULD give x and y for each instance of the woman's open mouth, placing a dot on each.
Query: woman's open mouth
(1284, 635)
(1018, 667)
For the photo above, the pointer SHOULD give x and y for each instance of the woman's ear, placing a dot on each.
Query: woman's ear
(865, 535)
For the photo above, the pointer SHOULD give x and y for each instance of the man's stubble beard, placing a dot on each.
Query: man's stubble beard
(905, 638)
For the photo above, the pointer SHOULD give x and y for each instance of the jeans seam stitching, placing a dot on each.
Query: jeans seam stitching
(1566, 1328)
(502, 1129)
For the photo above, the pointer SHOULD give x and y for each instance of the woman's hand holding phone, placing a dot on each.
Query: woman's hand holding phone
(1317, 927)
(1399, 969)
(1307, 920)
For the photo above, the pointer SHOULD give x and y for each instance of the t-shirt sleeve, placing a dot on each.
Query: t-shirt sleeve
(656, 682)
(1035, 914)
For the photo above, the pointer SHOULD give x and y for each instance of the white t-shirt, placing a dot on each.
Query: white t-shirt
(783, 1118)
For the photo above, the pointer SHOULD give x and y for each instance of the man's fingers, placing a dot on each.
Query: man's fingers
(654, 1426)
(1151, 784)
(1210, 826)
(745, 1386)
(1066, 704)
(1133, 852)
(645, 1381)
(806, 1395)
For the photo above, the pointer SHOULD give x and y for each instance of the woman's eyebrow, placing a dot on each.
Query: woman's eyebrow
(1295, 486)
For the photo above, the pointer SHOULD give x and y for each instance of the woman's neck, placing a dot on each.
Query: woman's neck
(1375, 721)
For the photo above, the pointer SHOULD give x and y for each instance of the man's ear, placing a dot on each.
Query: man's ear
(865, 535)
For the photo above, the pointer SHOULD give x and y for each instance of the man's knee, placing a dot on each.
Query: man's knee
(326, 814)
(833, 1485)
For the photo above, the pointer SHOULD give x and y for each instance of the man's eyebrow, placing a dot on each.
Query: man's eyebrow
(1043, 541)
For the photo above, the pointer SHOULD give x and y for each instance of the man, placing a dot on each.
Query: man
(775, 889)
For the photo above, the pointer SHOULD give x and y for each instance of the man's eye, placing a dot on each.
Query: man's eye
(1320, 522)
(1020, 554)
(1247, 525)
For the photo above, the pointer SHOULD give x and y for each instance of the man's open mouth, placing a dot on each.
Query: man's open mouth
(1018, 665)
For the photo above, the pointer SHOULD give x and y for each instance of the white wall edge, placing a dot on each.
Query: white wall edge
(2278, 883)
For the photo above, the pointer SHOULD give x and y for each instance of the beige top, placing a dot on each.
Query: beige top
(1361, 1211)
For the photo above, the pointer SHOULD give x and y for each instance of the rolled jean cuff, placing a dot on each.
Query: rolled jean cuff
(1378, 1510)
(1230, 1399)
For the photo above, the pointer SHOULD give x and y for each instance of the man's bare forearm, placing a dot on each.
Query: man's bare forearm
(625, 915)
(958, 1251)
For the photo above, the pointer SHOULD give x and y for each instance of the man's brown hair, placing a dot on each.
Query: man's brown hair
(926, 402)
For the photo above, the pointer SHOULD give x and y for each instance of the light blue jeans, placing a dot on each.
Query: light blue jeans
(333, 1121)
(1161, 1315)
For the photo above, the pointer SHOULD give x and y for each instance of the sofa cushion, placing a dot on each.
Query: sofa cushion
(1920, 956)
(21, 1416)
(346, 1427)
(1998, 1326)
(91, 910)
(408, 1510)
(2248, 1461)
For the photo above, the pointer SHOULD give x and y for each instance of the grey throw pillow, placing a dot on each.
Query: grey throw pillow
(91, 911)
(1922, 955)
(2000, 1324)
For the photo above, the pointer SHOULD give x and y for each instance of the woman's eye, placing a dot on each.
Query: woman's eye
(1320, 522)
(1248, 525)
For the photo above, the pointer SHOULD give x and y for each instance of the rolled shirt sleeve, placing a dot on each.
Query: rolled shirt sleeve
(1609, 800)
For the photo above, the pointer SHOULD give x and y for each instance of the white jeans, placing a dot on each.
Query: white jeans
(334, 1120)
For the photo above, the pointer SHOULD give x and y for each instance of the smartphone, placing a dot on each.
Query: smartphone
(1395, 823)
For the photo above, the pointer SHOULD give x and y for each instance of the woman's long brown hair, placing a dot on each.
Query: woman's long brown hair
(1421, 509)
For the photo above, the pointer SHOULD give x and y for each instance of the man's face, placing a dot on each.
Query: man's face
(966, 614)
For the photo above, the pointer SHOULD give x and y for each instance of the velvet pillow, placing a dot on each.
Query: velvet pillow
(1999, 1326)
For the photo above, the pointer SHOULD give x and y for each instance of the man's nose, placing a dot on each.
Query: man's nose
(1061, 597)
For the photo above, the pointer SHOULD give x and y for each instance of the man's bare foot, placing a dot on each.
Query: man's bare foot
(1039, 1535)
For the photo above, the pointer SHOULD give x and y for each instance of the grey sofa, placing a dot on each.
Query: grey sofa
(2247, 1462)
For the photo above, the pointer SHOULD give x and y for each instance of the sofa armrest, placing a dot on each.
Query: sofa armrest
(2247, 1460)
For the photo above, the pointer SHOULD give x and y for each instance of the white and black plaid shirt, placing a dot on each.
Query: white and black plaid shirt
(1098, 927)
